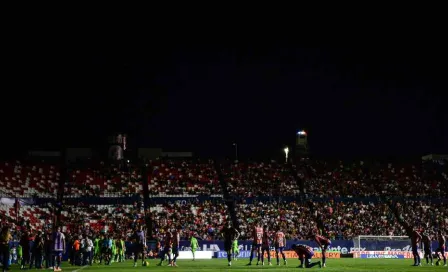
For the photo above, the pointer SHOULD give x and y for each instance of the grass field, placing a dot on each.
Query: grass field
(392, 265)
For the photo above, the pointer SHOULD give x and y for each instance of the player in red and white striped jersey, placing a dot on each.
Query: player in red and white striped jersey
(257, 236)
(280, 244)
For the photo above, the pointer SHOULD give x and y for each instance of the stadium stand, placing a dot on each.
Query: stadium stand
(341, 199)
(29, 180)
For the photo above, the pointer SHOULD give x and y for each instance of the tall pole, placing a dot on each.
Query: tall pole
(236, 150)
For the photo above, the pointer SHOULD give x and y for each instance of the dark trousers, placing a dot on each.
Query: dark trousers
(36, 259)
(87, 255)
(49, 260)
(25, 256)
(4, 250)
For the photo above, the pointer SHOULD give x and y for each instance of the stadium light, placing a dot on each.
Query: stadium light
(286, 150)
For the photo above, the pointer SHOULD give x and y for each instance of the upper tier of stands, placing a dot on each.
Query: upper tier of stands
(360, 179)
(195, 177)
(165, 178)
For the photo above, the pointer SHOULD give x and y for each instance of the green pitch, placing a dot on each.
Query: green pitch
(240, 265)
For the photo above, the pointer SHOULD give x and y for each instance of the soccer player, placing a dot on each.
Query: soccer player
(168, 243)
(323, 243)
(25, 243)
(441, 249)
(96, 250)
(119, 244)
(415, 240)
(230, 234)
(58, 247)
(235, 250)
(176, 241)
(426, 245)
(257, 236)
(5, 238)
(88, 253)
(139, 245)
(107, 249)
(103, 247)
(279, 244)
(305, 253)
(265, 246)
(194, 246)
(113, 250)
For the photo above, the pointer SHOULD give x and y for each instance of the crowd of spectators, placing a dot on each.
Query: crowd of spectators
(165, 178)
(201, 219)
(360, 179)
(428, 215)
(183, 178)
(346, 220)
(104, 180)
(260, 179)
(333, 182)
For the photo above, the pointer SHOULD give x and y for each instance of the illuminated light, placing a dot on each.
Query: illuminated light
(302, 132)
(286, 149)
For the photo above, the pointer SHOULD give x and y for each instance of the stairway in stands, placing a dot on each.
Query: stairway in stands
(295, 169)
(227, 197)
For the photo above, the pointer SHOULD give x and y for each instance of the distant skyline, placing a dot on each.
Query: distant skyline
(352, 102)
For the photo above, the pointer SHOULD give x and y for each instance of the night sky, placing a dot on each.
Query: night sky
(202, 98)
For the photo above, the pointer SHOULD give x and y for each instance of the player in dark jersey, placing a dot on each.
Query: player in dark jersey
(279, 244)
(415, 240)
(305, 253)
(139, 245)
(168, 245)
(265, 246)
(229, 233)
(257, 236)
(176, 241)
(323, 243)
(441, 248)
(426, 245)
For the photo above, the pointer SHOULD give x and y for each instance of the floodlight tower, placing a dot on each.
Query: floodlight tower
(117, 146)
(302, 143)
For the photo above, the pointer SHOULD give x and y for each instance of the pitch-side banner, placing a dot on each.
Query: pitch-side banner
(342, 246)
(289, 254)
(386, 254)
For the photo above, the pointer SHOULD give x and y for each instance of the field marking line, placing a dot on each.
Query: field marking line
(79, 269)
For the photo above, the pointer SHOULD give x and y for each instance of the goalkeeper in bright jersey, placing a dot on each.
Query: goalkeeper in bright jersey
(194, 246)
(96, 250)
(113, 250)
(121, 249)
(235, 250)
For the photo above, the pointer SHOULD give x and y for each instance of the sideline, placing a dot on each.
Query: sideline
(79, 269)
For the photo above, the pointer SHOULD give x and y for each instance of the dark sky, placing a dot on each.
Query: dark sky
(201, 98)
